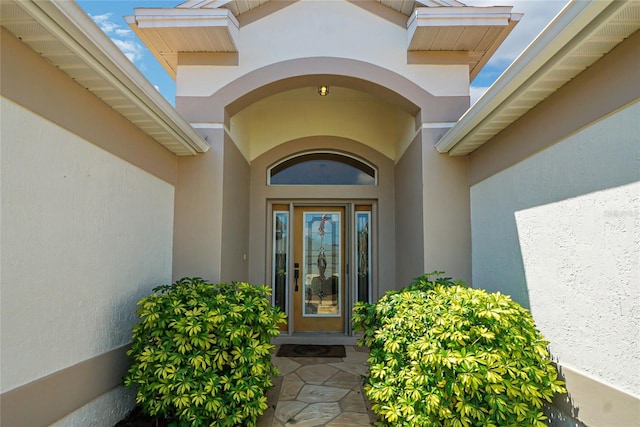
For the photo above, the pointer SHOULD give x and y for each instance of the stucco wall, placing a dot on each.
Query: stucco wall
(36, 84)
(85, 234)
(308, 29)
(300, 113)
(445, 206)
(560, 232)
(111, 407)
(197, 249)
(409, 215)
(235, 215)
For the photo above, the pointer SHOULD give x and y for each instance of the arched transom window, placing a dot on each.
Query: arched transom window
(322, 168)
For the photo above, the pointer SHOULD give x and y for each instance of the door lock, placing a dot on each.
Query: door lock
(296, 274)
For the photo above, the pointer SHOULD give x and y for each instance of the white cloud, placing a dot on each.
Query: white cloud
(123, 38)
(123, 33)
(476, 92)
(132, 50)
(104, 22)
(537, 14)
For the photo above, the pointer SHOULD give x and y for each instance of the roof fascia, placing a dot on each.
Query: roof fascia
(215, 3)
(560, 31)
(466, 16)
(382, 11)
(205, 3)
(194, 3)
(186, 17)
(73, 27)
(438, 3)
(515, 18)
(459, 16)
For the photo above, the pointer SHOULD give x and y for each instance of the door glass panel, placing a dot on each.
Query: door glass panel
(363, 254)
(321, 264)
(280, 257)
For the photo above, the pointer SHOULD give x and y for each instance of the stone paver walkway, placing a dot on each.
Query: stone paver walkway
(316, 391)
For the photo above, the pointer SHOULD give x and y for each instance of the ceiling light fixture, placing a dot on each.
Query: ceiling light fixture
(323, 90)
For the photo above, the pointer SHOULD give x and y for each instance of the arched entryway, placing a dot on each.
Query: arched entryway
(225, 205)
(304, 225)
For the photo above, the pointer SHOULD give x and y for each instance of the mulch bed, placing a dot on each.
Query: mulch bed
(137, 419)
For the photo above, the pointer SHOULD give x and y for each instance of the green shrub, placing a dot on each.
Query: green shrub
(447, 355)
(201, 353)
(428, 281)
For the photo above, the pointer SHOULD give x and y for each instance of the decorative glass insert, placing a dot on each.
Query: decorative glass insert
(363, 254)
(280, 258)
(322, 169)
(321, 264)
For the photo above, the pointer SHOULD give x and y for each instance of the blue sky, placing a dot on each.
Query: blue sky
(108, 15)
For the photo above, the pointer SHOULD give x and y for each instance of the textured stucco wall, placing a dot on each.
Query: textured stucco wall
(345, 112)
(560, 232)
(409, 224)
(445, 207)
(84, 236)
(235, 216)
(197, 237)
(308, 29)
(111, 407)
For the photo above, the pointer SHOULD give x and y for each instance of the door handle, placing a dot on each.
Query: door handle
(296, 274)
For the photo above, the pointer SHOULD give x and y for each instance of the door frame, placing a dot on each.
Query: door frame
(350, 282)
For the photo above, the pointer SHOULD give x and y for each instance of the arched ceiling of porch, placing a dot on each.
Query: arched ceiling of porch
(292, 113)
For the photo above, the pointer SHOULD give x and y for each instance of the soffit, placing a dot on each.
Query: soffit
(238, 7)
(66, 37)
(577, 38)
(475, 31)
(446, 30)
(167, 32)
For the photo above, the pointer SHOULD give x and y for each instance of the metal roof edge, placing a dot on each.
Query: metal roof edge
(72, 26)
(560, 31)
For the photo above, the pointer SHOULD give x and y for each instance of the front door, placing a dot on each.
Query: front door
(318, 281)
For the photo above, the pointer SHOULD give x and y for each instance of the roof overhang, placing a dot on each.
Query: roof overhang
(65, 36)
(578, 36)
(237, 7)
(167, 32)
(475, 31)
(406, 7)
(439, 31)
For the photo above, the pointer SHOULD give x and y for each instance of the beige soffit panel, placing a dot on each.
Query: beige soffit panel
(477, 31)
(167, 32)
(237, 7)
(443, 31)
(578, 36)
(65, 36)
(407, 7)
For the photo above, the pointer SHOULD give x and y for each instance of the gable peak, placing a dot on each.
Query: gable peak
(238, 7)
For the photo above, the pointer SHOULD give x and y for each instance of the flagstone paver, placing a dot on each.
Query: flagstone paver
(318, 392)
(353, 402)
(286, 411)
(350, 419)
(290, 390)
(316, 374)
(316, 414)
